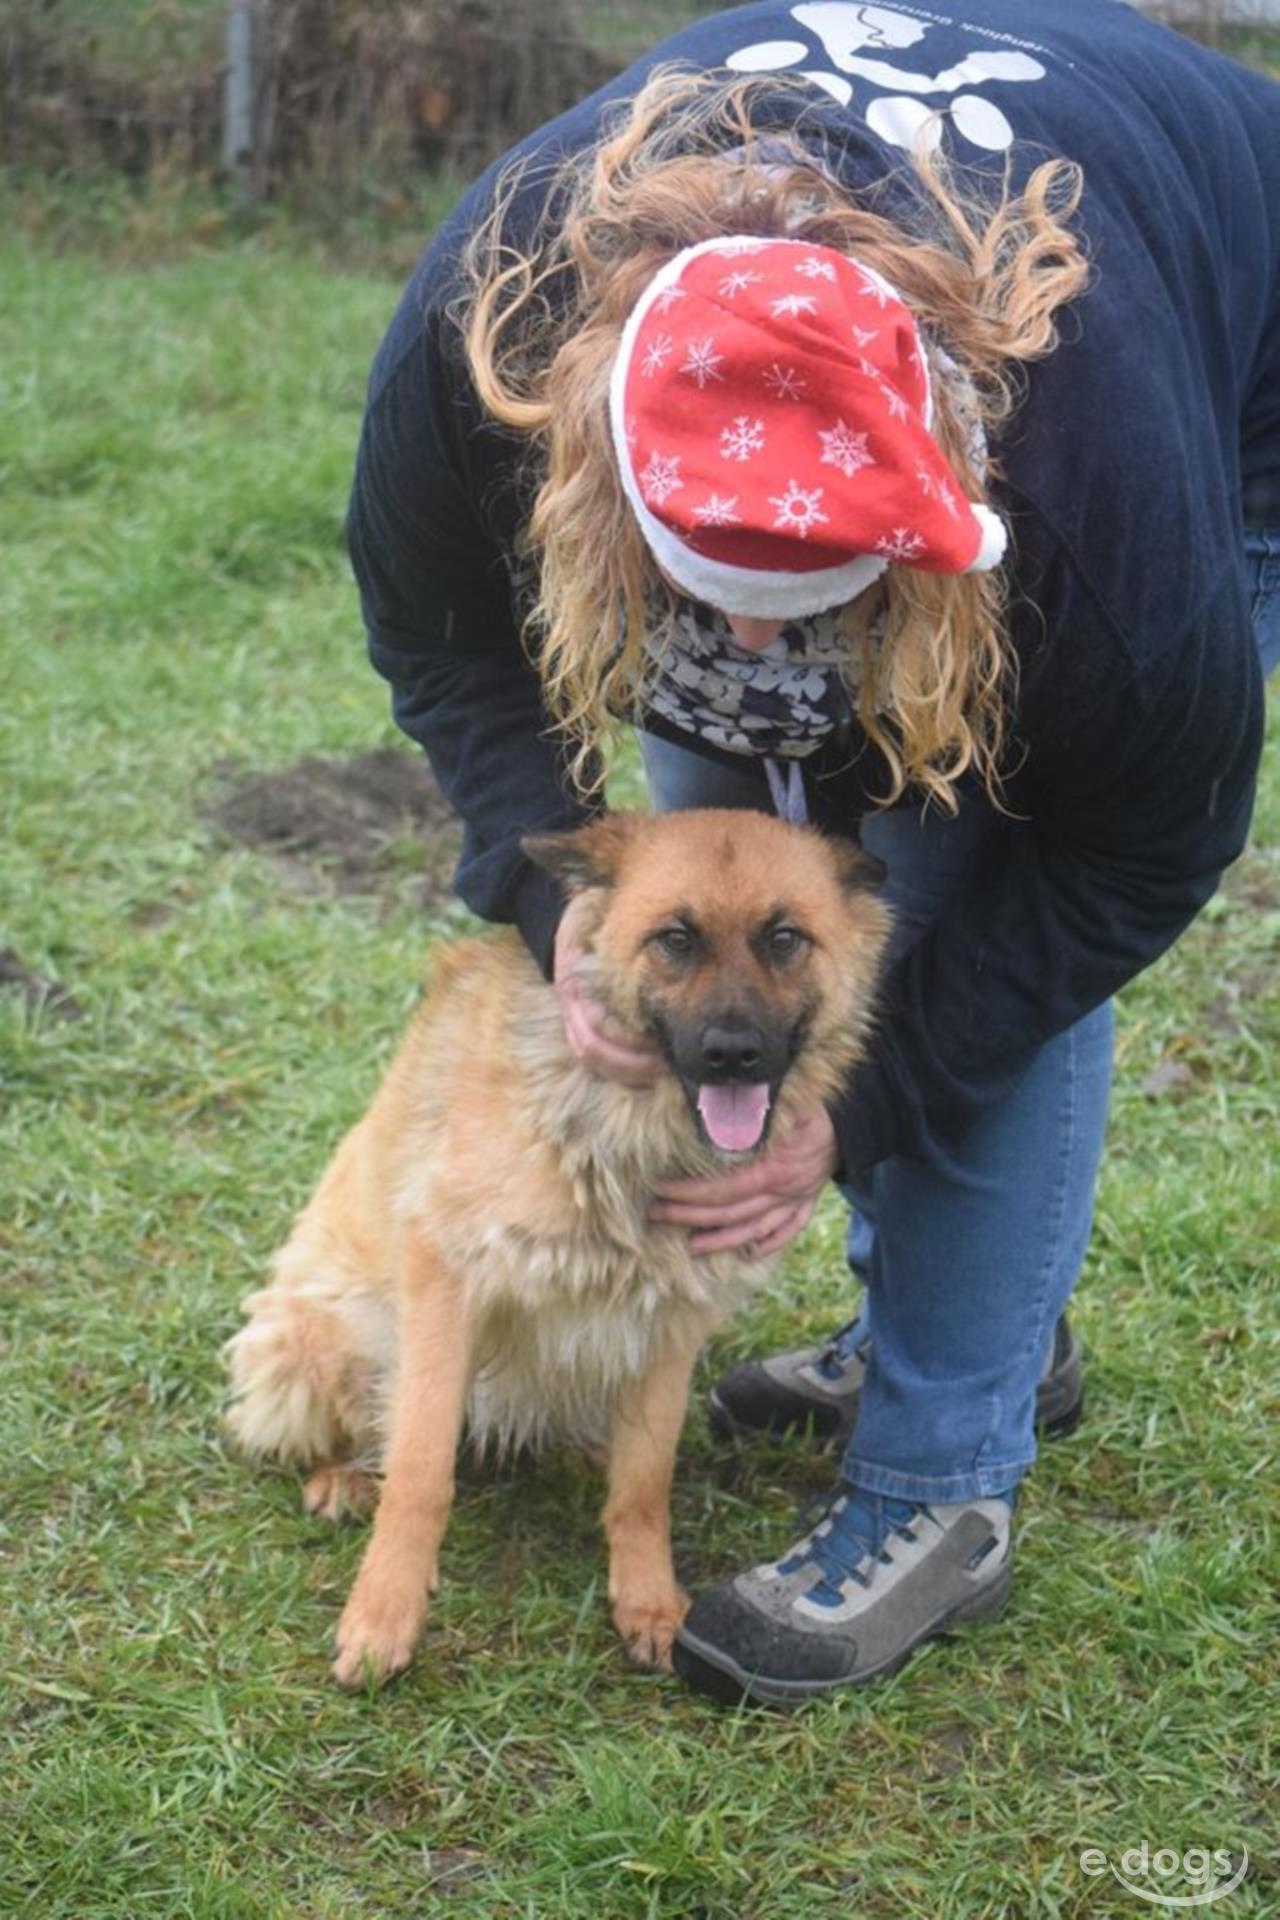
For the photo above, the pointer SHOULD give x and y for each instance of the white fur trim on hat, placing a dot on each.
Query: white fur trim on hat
(750, 590)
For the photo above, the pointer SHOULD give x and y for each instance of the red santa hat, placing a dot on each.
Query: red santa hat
(771, 413)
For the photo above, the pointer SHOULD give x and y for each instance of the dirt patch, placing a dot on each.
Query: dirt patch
(945, 1750)
(44, 995)
(450, 1868)
(1255, 879)
(354, 826)
(1170, 1076)
(1228, 1013)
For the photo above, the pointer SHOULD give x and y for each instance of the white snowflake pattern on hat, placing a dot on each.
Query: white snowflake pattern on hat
(661, 478)
(793, 303)
(899, 407)
(656, 355)
(702, 362)
(863, 336)
(843, 448)
(901, 546)
(784, 381)
(872, 290)
(815, 268)
(934, 488)
(718, 510)
(668, 297)
(737, 282)
(798, 509)
(743, 439)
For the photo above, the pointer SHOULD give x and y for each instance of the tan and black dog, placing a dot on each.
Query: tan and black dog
(479, 1253)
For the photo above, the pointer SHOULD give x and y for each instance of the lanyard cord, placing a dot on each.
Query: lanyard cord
(787, 792)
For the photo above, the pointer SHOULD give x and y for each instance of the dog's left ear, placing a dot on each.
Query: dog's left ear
(857, 870)
(587, 857)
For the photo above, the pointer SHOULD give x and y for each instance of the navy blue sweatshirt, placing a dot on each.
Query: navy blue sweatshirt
(1144, 443)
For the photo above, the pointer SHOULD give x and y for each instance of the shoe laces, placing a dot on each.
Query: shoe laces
(853, 1538)
(846, 1343)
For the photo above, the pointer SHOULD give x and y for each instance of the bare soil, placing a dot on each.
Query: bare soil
(42, 994)
(341, 825)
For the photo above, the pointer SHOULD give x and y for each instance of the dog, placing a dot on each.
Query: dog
(478, 1255)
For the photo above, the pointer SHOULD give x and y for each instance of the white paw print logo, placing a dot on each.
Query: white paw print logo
(911, 104)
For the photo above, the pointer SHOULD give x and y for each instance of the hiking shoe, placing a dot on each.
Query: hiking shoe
(851, 1601)
(820, 1387)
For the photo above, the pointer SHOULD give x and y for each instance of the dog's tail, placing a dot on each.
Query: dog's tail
(302, 1381)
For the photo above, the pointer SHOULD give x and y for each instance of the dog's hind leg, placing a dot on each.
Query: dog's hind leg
(341, 1491)
(382, 1619)
(648, 1605)
(304, 1380)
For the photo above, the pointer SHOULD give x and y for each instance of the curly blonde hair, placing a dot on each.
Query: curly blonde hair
(694, 156)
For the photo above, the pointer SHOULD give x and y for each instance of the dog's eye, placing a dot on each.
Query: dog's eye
(676, 942)
(785, 942)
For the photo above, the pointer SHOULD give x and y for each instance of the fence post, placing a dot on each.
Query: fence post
(238, 100)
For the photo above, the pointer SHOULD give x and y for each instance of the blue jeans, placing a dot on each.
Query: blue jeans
(967, 1263)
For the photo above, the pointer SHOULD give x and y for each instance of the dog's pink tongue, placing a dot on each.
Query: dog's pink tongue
(734, 1116)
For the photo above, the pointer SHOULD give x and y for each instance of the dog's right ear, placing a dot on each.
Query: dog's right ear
(587, 857)
(858, 870)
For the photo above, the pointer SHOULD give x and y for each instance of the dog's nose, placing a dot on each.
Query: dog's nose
(732, 1053)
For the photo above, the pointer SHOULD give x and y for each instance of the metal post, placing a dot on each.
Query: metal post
(238, 102)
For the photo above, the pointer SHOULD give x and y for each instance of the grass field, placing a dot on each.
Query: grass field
(175, 613)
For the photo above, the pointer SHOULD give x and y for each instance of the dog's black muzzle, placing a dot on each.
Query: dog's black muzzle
(727, 1049)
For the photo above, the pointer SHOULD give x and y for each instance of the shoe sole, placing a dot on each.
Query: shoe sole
(707, 1670)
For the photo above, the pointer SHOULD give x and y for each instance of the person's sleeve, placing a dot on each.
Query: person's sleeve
(437, 600)
(1131, 802)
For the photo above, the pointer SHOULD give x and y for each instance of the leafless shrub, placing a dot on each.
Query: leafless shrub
(344, 89)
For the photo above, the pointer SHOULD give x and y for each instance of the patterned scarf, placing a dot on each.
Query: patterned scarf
(782, 702)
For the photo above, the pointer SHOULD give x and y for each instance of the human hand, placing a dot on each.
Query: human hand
(760, 1206)
(600, 1043)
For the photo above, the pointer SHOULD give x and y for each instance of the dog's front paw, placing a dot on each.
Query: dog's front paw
(648, 1623)
(376, 1635)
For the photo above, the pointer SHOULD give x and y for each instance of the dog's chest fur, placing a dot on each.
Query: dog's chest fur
(533, 1181)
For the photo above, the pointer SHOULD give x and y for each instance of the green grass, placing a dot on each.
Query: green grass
(175, 443)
